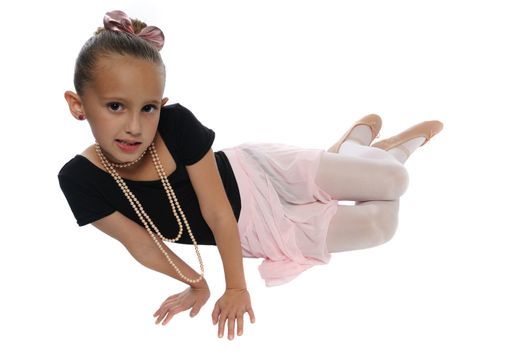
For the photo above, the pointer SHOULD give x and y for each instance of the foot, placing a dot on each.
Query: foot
(363, 132)
(403, 144)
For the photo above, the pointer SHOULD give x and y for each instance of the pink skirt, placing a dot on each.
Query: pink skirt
(284, 214)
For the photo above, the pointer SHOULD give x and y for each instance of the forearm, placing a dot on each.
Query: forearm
(227, 239)
(149, 255)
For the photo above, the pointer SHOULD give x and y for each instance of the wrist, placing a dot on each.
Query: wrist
(202, 284)
(236, 287)
(235, 283)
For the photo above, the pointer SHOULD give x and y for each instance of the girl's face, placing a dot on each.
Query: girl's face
(122, 103)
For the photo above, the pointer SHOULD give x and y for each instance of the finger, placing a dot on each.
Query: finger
(215, 314)
(160, 314)
(162, 307)
(172, 312)
(170, 299)
(167, 300)
(231, 322)
(169, 316)
(195, 310)
(251, 314)
(221, 325)
(239, 321)
(168, 307)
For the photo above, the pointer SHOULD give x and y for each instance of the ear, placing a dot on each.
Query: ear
(164, 101)
(75, 104)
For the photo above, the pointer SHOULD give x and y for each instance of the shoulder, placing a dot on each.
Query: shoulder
(73, 167)
(74, 179)
(79, 170)
(176, 114)
(175, 109)
(181, 122)
(88, 190)
(184, 133)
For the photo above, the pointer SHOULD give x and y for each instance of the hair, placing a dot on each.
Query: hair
(107, 42)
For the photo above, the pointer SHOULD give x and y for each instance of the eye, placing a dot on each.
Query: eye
(149, 108)
(114, 106)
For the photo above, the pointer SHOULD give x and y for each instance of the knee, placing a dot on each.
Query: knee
(387, 230)
(396, 181)
(384, 223)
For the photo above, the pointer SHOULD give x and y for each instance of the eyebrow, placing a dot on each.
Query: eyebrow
(155, 102)
(110, 98)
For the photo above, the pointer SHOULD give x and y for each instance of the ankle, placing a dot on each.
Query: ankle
(360, 134)
(403, 151)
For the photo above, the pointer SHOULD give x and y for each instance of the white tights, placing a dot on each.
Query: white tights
(375, 180)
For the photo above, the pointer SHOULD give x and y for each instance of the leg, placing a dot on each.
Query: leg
(368, 174)
(371, 222)
(402, 145)
(363, 225)
(375, 180)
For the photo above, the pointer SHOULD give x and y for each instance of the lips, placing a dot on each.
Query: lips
(129, 142)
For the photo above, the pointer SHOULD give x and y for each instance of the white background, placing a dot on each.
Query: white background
(297, 72)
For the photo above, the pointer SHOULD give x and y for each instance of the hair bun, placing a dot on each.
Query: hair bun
(120, 22)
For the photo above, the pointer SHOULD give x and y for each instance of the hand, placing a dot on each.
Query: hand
(230, 308)
(193, 298)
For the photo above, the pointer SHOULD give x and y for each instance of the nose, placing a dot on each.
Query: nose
(133, 124)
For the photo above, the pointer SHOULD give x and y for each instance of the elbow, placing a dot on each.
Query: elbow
(141, 254)
(217, 219)
(142, 249)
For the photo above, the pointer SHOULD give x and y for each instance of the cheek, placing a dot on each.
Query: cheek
(94, 112)
(101, 127)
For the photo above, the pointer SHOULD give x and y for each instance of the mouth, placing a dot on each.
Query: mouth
(129, 143)
(127, 146)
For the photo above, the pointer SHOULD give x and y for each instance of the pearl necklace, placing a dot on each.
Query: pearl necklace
(145, 218)
(124, 165)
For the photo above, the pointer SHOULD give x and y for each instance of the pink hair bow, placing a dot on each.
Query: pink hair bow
(120, 22)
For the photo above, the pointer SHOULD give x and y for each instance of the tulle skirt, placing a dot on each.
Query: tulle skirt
(284, 214)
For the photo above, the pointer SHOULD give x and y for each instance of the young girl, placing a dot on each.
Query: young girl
(151, 176)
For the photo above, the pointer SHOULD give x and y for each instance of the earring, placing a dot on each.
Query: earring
(82, 117)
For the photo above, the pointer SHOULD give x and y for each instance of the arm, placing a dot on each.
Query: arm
(141, 246)
(218, 214)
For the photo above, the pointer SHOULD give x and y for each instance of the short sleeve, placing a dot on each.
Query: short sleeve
(85, 202)
(191, 138)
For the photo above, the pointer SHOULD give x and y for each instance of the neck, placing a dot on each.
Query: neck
(129, 165)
